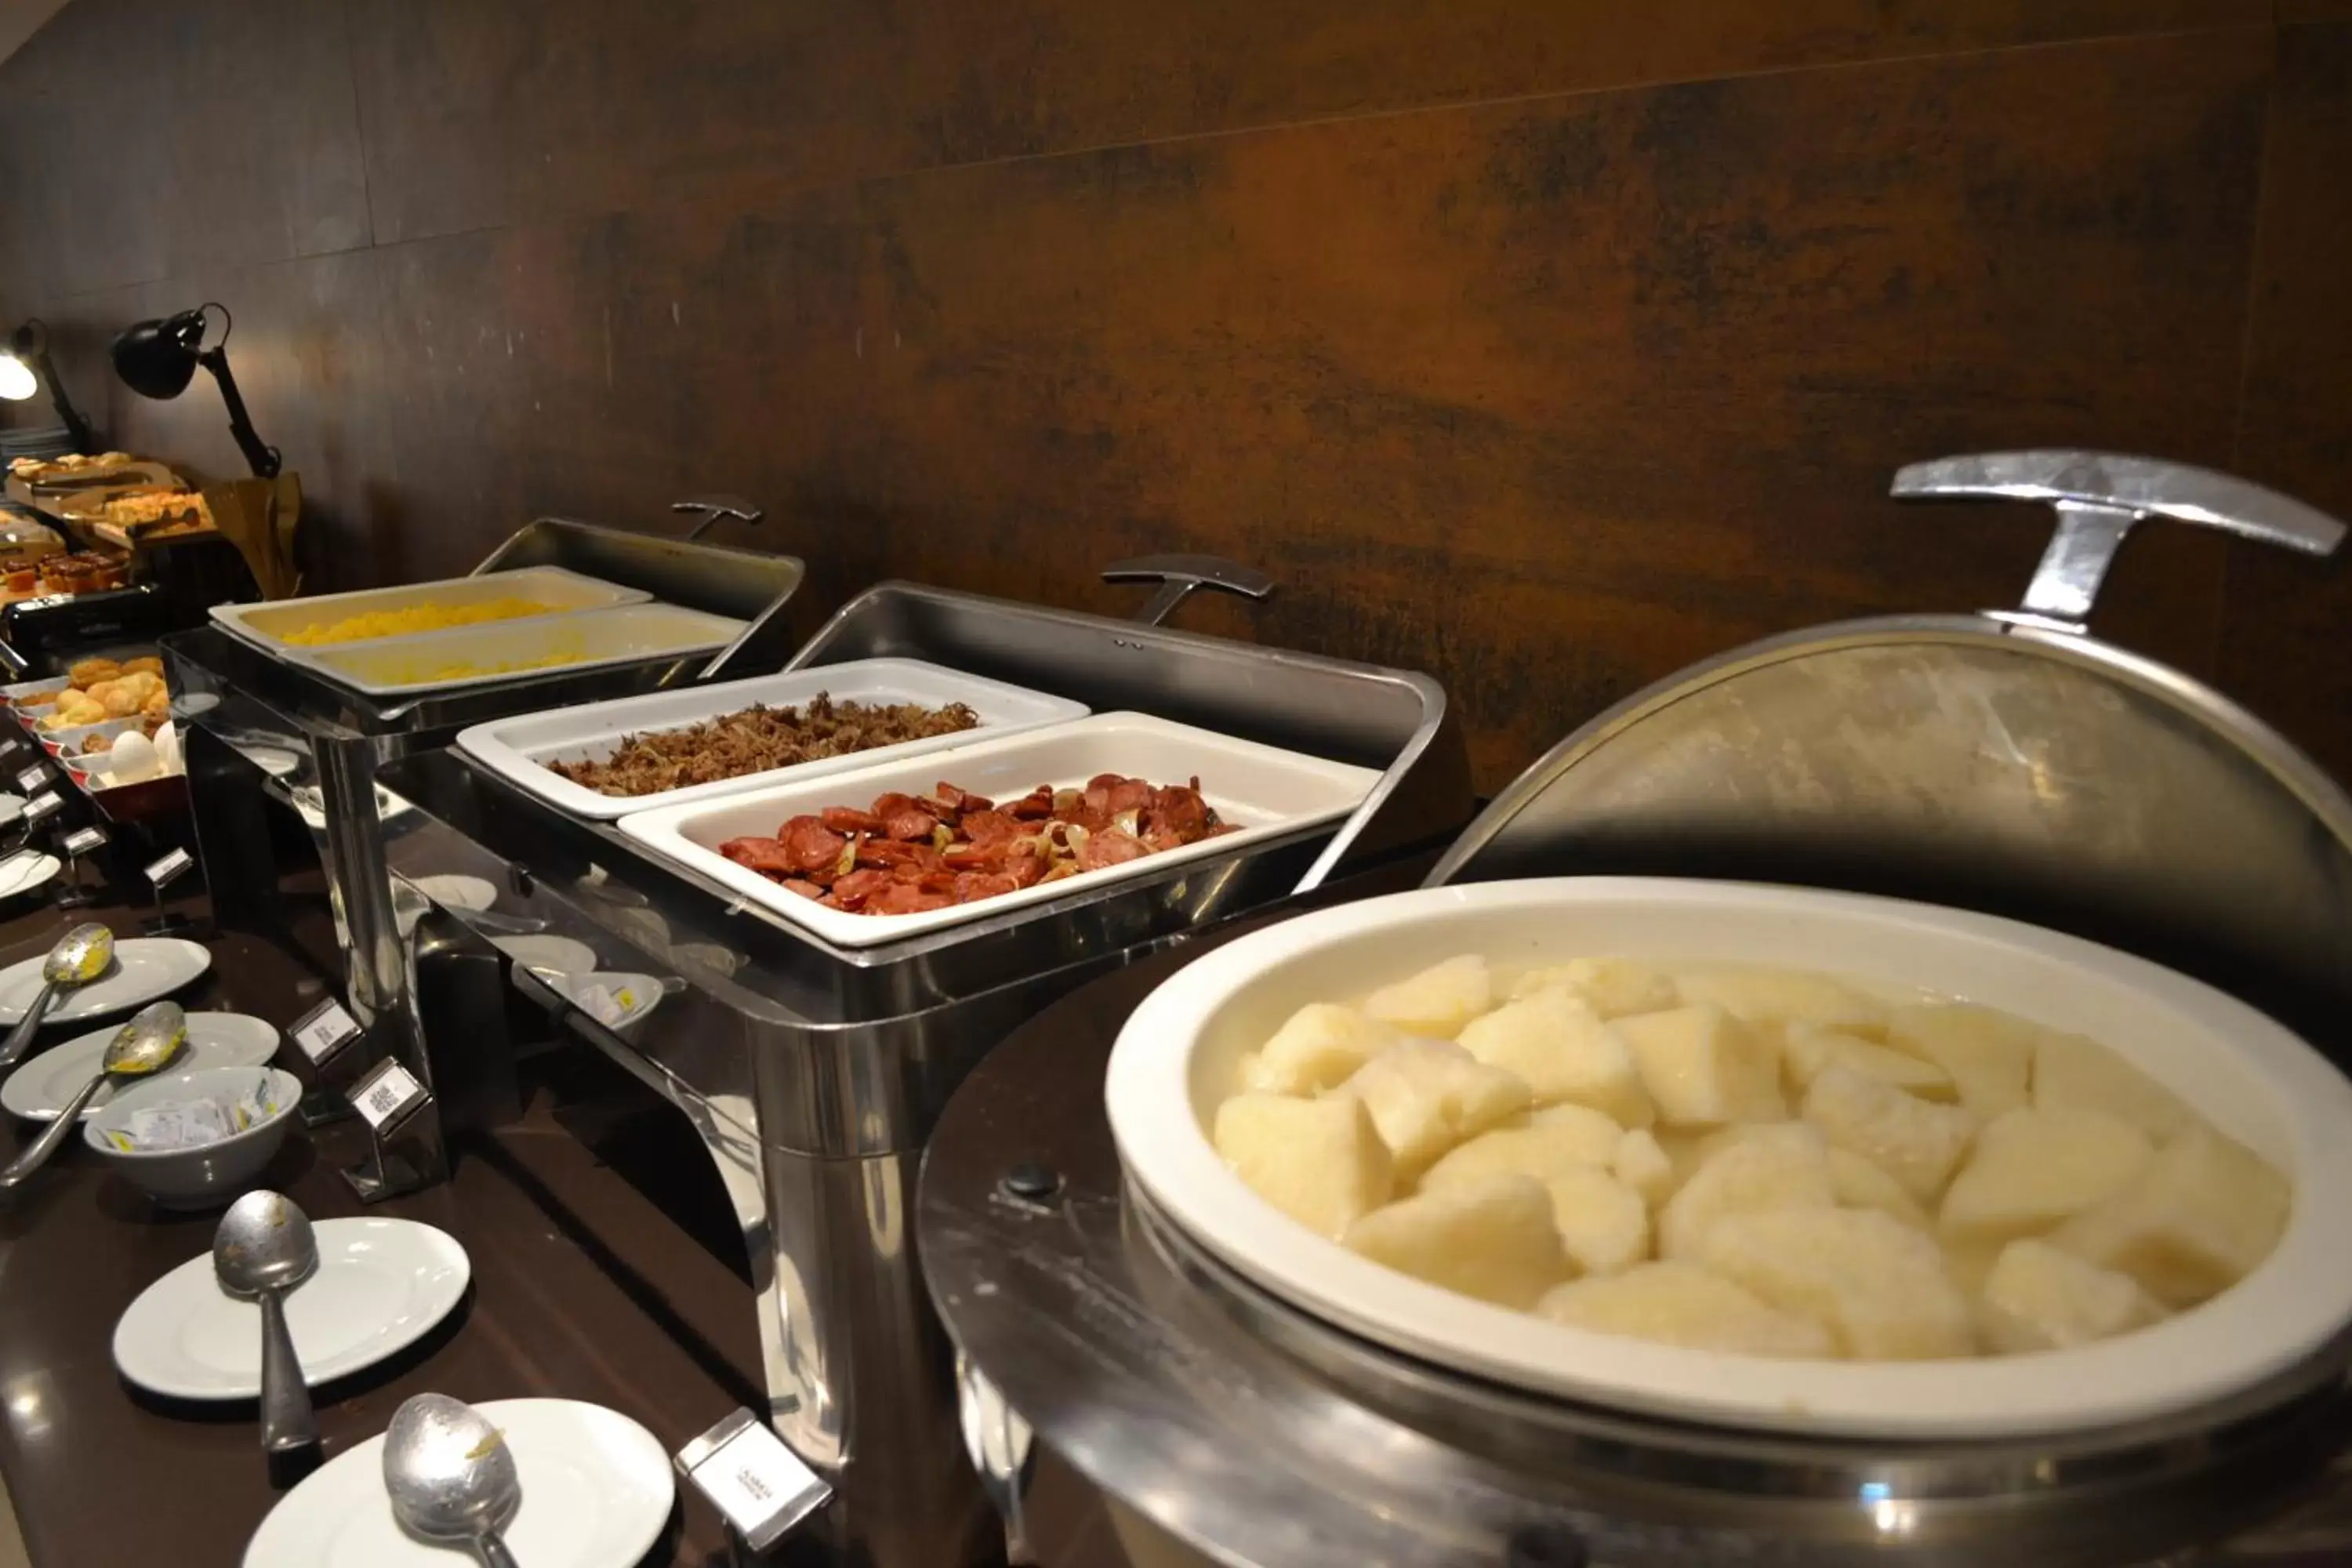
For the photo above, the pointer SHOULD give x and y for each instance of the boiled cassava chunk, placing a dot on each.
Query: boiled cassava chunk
(1559, 1045)
(1807, 1049)
(1703, 1067)
(1438, 1001)
(2039, 1298)
(1789, 1168)
(2199, 1217)
(1604, 1224)
(2071, 1073)
(1772, 999)
(1876, 1284)
(2031, 1169)
(1680, 1304)
(1641, 1164)
(1916, 1142)
(1610, 986)
(1426, 1096)
(1321, 1161)
(1859, 1184)
(1556, 1139)
(1989, 1055)
(1320, 1046)
(1494, 1239)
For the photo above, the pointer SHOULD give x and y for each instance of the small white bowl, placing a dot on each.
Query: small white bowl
(211, 1174)
(1175, 1062)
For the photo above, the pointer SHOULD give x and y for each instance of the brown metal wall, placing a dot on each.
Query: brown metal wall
(1545, 344)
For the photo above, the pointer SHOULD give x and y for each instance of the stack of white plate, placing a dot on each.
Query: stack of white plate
(49, 442)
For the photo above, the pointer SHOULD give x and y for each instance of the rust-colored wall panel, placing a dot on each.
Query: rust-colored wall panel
(1548, 394)
(2288, 640)
(145, 139)
(488, 111)
(1550, 397)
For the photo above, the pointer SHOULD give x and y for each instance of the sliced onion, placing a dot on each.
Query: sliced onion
(1067, 800)
(942, 836)
(1129, 823)
(848, 860)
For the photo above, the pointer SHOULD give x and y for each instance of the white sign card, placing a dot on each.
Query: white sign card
(387, 1093)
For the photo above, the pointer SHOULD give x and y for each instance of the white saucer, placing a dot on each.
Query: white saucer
(12, 807)
(38, 1089)
(381, 1285)
(144, 968)
(596, 1492)
(452, 891)
(553, 954)
(27, 874)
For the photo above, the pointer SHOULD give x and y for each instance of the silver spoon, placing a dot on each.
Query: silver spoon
(452, 1476)
(151, 1038)
(80, 956)
(263, 1249)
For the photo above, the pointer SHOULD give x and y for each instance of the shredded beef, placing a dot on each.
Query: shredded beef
(758, 738)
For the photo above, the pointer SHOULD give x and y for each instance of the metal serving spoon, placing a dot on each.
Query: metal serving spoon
(263, 1249)
(80, 956)
(151, 1038)
(452, 1476)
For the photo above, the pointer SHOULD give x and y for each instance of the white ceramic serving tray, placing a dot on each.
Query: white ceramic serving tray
(1266, 790)
(519, 749)
(407, 667)
(1177, 1058)
(564, 592)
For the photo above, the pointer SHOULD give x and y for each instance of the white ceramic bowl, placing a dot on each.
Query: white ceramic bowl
(214, 1173)
(1176, 1061)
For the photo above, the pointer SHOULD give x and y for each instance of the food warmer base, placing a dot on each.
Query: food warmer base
(814, 1075)
(282, 763)
(2009, 762)
(1207, 1412)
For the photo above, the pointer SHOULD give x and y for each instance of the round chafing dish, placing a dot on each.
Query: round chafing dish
(2007, 764)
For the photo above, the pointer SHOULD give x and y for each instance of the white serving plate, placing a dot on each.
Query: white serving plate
(26, 872)
(144, 968)
(380, 1286)
(39, 1088)
(565, 592)
(1176, 1061)
(518, 749)
(596, 1494)
(402, 666)
(1266, 790)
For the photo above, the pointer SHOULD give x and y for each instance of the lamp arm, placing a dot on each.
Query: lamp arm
(263, 459)
(32, 345)
(84, 439)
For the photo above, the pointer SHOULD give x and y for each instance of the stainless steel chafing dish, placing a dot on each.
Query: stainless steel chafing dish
(813, 1074)
(2008, 763)
(289, 821)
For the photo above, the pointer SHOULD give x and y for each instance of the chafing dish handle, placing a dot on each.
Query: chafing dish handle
(1178, 575)
(2098, 495)
(713, 509)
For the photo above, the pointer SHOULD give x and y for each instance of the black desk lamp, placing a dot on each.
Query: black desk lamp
(25, 367)
(158, 359)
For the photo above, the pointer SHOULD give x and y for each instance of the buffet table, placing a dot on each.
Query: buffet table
(99, 1475)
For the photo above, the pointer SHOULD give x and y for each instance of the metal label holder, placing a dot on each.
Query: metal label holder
(161, 873)
(760, 1485)
(77, 894)
(403, 1123)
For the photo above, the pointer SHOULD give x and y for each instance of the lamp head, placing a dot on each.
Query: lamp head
(18, 378)
(158, 358)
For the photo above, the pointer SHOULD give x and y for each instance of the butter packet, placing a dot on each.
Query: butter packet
(191, 1125)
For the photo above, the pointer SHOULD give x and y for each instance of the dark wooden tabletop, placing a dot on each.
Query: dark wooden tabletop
(102, 1475)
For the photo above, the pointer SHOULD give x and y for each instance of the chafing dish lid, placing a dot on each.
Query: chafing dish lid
(2008, 762)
